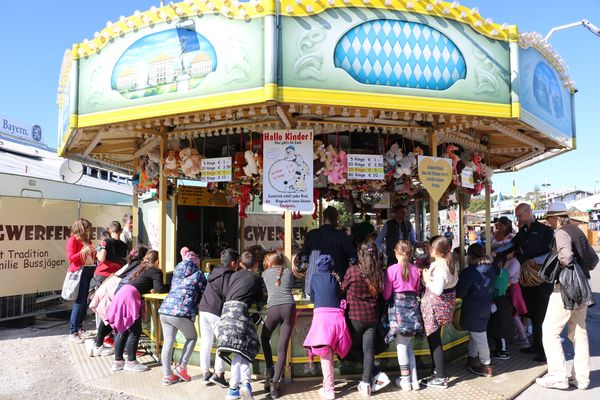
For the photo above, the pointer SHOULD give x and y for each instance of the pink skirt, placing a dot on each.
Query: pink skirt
(437, 310)
(516, 299)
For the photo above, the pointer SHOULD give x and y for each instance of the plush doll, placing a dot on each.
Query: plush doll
(404, 167)
(343, 160)
(319, 157)
(393, 155)
(330, 156)
(171, 164)
(154, 155)
(239, 162)
(244, 200)
(251, 167)
(334, 175)
(404, 186)
(191, 162)
(450, 153)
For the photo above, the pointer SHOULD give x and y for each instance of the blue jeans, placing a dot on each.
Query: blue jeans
(81, 305)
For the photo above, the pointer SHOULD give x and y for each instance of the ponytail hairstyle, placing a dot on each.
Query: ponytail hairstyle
(368, 265)
(137, 254)
(441, 246)
(403, 251)
(150, 261)
(274, 259)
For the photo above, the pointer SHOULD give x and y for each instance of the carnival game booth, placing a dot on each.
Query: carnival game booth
(295, 101)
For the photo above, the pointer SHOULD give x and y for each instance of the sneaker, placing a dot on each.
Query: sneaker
(76, 338)
(552, 382)
(573, 382)
(90, 345)
(380, 381)
(437, 383)
(500, 355)
(135, 366)
(169, 380)
(327, 394)
(182, 373)
(364, 388)
(233, 394)
(274, 390)
(415, 385)
(205, 379)
(482, 370)
(118, 366)
(219, 380)
(403, 382)
(109, 341)
(246, 391)
(84, 334)
(102, 351)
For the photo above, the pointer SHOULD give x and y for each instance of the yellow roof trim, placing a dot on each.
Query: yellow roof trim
(289, 8)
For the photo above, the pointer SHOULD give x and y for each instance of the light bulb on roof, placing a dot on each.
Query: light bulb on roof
(122, 18)
(225, 10)
(242, 12)
(310, 8)
(388, 2)
(80, 51)
(109, 24)
(289, 9)
(489, 21)
(366, 1)
(429, 7)
(505, 26)
(409, 4)
(455, 4)
(331, 2)
(446, 11)
(478, 23)
(475, 11)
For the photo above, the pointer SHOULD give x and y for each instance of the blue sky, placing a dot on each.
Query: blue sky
(35, 37)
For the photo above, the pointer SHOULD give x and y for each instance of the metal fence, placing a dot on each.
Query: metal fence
(30, 304)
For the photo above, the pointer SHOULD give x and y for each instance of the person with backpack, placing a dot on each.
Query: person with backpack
(574, 252)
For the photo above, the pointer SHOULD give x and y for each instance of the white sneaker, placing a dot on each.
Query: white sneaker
(75, 338)
(102, 351)
(135, 366)
(404, 383)
(117, 366)
(326, 394)
(580, 386)
(89, 347)
(380, 381)
(364, 388)
(552, 382)
(415, 385)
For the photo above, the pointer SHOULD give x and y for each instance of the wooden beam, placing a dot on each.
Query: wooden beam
(92, 145)
(162, 212)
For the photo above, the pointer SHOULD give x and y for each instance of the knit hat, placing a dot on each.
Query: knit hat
(476, 251)
(325, 263)
(188, 255)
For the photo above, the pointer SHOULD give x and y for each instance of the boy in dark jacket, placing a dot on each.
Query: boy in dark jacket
(210, 309)
(476, 288)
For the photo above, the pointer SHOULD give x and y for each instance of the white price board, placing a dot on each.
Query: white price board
(466, 178)
(216, 169)
(365, 166)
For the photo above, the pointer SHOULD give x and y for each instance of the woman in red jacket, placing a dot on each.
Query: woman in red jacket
(81, 254)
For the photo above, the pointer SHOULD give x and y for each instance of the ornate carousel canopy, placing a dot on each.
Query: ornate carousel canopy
(216, 71)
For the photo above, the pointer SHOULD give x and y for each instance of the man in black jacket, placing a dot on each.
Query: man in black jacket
(533, 244)
(571, 246)
(210, 309)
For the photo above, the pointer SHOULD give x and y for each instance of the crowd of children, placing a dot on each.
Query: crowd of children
(349, 317)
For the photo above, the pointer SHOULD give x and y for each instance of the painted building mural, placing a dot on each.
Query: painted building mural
(164, 62)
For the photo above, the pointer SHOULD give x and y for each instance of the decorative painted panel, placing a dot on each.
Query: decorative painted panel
(545, 102)
(400, 53)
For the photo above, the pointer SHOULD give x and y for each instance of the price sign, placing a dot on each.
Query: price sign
(216, 169)
(365, 166)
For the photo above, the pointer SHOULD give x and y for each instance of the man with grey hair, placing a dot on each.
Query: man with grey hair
(533, 243)
(571, 245)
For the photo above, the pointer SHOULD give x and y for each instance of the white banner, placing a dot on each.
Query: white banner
(33, 234)
(288, 170)
(365, 166)
(20, 129)
(266, 229)
(216, 169)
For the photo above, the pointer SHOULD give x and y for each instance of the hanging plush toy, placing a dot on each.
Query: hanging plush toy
(319, 157)
(239, 162)
(171, 164)
(191, 162)
(244, 200)
(251, 167)
(450, 153)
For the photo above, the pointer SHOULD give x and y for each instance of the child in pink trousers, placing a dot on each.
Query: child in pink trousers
(328, 332)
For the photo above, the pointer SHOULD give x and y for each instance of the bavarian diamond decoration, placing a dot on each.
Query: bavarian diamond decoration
(400, 53)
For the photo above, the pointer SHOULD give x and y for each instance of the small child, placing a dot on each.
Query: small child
(178, 313)
(237, 342)
(500, 326)
(402, 281)
(476, 287)
(328, 332)
(516, 298)
(281, 311)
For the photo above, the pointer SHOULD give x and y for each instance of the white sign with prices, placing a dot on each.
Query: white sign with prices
(288, 170)
(466, 178)
(215, 169)
(365, 166)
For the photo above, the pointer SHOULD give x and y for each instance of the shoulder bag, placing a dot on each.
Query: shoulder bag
(70, 288)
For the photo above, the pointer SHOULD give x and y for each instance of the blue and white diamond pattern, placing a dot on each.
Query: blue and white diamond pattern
(400, 53)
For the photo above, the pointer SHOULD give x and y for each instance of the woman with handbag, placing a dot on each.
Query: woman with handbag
(81, 256)
(363, 284)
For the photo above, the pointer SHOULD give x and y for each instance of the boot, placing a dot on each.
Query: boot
(472, 362)
(274, 390)
(482, 370)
